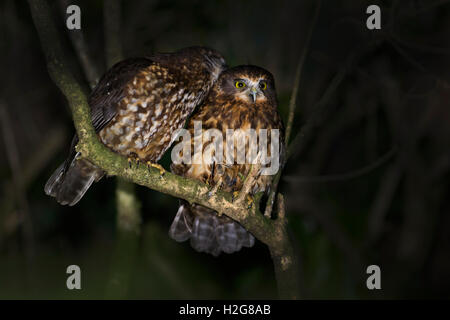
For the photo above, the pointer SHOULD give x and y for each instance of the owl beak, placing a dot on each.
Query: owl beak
(253, 94)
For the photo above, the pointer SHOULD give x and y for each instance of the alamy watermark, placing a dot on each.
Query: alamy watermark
(239, 146)
(74, 280)
(374, 280)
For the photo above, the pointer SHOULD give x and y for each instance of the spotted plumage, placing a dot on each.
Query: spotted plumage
(136, 107)
(243, 97)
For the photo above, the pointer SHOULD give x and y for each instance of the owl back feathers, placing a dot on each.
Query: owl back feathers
(207, 231)
(136, 106)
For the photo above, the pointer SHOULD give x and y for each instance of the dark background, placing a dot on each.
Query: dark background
(369, 185)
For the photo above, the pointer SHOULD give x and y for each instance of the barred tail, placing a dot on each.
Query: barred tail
(70, 182)
(208, 232)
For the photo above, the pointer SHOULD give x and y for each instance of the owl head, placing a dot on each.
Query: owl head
(249, 84)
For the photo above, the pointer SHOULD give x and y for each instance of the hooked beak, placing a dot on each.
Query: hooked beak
(253, 94)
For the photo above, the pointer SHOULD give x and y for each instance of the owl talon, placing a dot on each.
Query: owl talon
(131, 159)
(162, 171)
(234, 195)
(250, 202)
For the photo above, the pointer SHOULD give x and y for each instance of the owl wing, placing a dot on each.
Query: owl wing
(108, 92)
(111, 90)
(74, 176)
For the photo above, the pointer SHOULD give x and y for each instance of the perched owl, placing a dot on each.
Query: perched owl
(243, 97)
(135, 108)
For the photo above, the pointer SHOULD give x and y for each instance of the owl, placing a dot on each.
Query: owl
(135, 108)
(243, 97)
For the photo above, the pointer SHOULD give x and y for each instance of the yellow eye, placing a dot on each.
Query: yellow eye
(239, 84)
(263, 85)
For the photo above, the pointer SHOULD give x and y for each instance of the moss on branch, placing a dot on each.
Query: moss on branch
(271, 232)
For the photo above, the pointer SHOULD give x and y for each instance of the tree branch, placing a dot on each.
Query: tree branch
(298, 74)
(345, 176)
(320, 108)
(284, 259)
(272, 233)
(292, 106)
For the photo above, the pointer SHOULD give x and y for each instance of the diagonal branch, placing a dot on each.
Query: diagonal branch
(320, 108)
(298, 74)
(271, 232)
(292, 106)
(346, 176)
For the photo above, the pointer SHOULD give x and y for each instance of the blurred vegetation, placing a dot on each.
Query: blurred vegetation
(392, 96)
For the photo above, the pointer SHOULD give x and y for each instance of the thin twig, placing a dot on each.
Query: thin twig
(298, 74)
(292, 106)
(300, 139)
(271, 199)
(417, 64)
(248, 183)
(319, 109)
(52, 142)
(345, 176)
(81, 49)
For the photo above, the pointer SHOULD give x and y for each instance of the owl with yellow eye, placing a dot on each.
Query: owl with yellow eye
(243, 97)
(252, 88)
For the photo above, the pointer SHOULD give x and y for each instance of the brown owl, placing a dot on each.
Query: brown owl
(243, 98)
(135, 108)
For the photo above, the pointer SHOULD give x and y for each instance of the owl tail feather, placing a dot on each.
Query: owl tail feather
(70, 182)
(208, 232)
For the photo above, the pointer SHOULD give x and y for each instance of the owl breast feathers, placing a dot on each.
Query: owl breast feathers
(243, 97)
(136, 107)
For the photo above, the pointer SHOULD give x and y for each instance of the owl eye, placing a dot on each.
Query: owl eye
(263, 85)
(239, 84)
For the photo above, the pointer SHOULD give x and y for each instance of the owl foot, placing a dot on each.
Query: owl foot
(250, 201)
(246, 199)
(162, 171)
(133, 158)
